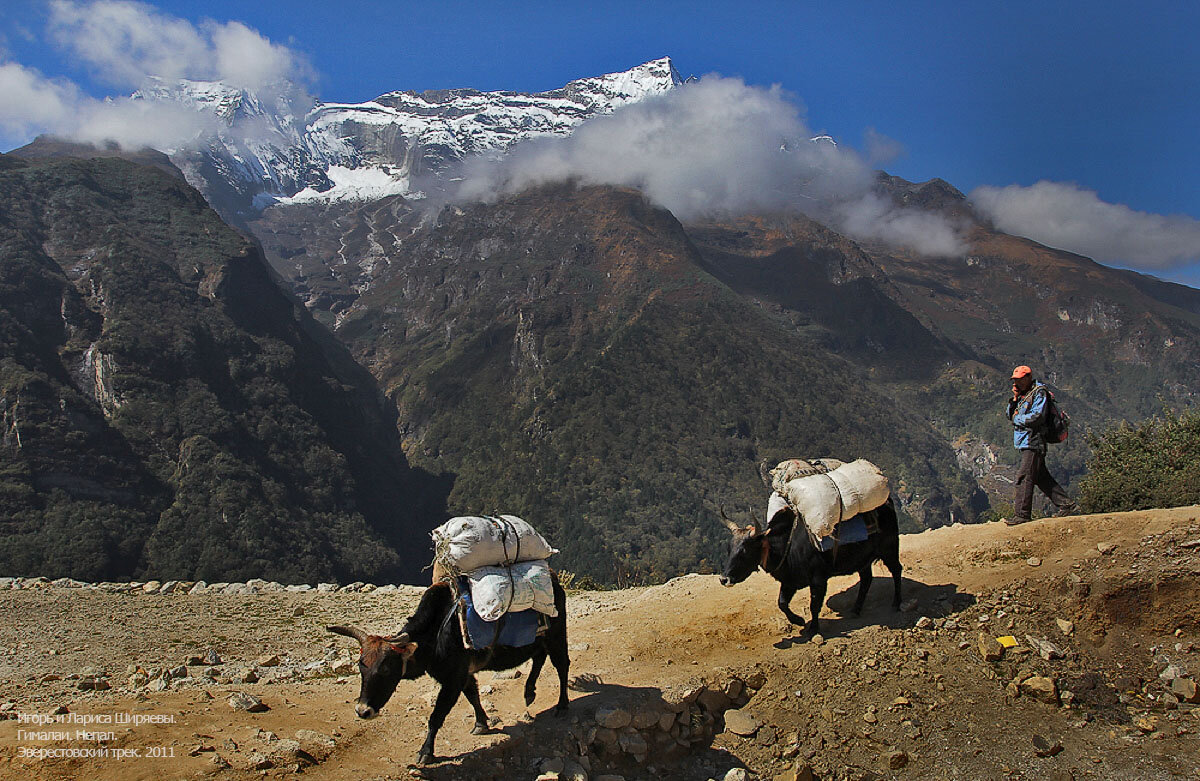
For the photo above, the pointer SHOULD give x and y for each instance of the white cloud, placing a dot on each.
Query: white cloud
(717, 147)
(873, 217)
(1074, 218)
(29, 101)
(30, 104)
(124, 42)
(244, 58)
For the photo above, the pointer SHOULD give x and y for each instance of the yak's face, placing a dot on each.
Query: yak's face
(745, 554)
(382, 663)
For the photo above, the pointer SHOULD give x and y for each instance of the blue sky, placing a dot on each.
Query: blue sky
(1104, 97)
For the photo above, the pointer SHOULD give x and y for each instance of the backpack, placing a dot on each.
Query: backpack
(1058, 423)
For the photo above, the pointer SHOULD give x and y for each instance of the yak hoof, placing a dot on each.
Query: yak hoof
(427, 758)
(481, 729)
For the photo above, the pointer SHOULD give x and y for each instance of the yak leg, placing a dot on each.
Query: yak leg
(864, 585)
(891, 559)
(895, 568)
(816, 592)
(535, 669)
(557, 648)
(786, 593)
(447, 696)
(471, 690)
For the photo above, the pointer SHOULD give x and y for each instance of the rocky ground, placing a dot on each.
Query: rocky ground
(685, 680)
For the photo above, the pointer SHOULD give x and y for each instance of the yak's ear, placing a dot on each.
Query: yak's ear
(404, 649)
(751, 530)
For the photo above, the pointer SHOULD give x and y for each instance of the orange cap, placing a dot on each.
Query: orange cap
(1021, 371)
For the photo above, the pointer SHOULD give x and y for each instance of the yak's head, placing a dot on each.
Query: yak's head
(382, 663)
(745, 551)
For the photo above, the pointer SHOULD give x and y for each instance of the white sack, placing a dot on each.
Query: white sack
(470, 542)
(493, 593)
(775, 505)
(826, 500)
(816, 500)
(862, 486)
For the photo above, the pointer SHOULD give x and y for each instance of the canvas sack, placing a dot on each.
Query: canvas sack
(469, 542)
(495, 593)
(824, 500)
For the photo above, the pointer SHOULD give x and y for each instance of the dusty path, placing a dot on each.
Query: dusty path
(880, 691)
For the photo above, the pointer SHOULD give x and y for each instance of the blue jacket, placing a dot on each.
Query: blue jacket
(1028, 416)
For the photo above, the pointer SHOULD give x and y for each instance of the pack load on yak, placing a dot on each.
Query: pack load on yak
(497, 567)
(825, 492)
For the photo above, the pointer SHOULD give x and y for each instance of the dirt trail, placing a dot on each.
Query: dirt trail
(905, 695)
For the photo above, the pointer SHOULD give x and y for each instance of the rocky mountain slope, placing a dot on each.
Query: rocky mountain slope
(167, 408)
(567, 354)
(474, 321)
(685, 680)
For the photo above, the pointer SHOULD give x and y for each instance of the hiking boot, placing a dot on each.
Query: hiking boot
(1064, 511)
(1015, 520)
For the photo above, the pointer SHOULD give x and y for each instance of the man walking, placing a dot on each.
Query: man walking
(1027, 410)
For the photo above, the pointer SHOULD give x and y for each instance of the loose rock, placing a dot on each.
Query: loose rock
(740, 723)
(247, 702)
(1185, 689)
(1040, 688)
(1046, 748)
(990, 648)
(613, 718)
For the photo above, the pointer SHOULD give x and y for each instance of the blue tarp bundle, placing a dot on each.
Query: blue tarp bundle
(846, 532)
(520, 628)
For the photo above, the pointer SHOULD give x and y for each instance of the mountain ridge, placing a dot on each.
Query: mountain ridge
(281, 146)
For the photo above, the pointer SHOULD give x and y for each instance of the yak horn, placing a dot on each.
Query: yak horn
(400, 638)
(349, 631)
(733, 527)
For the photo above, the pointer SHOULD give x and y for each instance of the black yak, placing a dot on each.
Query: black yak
(431, 642)
(795, 561)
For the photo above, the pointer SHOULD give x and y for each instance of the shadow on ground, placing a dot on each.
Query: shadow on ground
(932, 600)
(548, 734)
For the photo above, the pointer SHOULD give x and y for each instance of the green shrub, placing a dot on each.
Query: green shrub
(1153, 464)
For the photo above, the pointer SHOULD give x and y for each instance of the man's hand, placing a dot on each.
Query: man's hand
(1012, 407)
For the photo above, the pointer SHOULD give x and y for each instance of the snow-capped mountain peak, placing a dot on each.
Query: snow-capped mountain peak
(279, 146)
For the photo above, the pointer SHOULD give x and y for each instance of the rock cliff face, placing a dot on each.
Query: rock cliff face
(167, 409)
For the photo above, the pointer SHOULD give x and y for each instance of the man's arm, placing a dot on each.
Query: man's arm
(1036, 414)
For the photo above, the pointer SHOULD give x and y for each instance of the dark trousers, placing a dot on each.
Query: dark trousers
(1033, 472)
